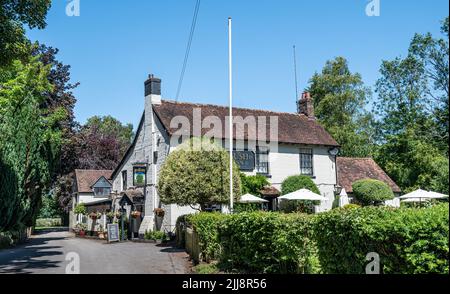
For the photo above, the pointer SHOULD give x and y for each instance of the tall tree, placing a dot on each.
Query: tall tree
(434, 55)
(13, 16)
(102, 142)
(340, 98)
(412, 109)
(29, 141)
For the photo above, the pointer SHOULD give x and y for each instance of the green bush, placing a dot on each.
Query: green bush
(80, 208)
(253, 184)
(206, 225)
(6, 240)
(292, 184)
(48, 222)
(155, 235)
(265, 242)
(408, 241)
(371, 192)
(180, 236)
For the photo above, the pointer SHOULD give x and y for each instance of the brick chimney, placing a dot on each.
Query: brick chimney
(306, 105)
(153, 90)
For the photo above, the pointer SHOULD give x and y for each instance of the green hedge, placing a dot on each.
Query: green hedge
(48, 222)
(262, 242)
(206, 225)
(407, 240)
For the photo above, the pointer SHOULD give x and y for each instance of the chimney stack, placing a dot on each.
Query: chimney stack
(153, 89)
(306, 105)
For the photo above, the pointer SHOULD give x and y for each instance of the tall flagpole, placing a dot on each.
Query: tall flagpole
(230, 60)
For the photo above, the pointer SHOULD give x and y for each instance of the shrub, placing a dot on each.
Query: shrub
(155, 235)
(48, 222)
(80, 208)
(206, 225)
(253, 184)
(351, 206)
(197, 176)
(292, 184)
(408, 241)
(264, 242)
(371, 192)
(181, 231)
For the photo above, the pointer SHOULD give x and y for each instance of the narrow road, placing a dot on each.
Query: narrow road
(46, 253)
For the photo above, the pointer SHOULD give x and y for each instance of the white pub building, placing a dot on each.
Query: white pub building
(301, 146)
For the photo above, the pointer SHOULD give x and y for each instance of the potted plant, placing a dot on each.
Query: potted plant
(81, 229)
(95, 215)
(101, 232)
(159, 212)
(135, 214)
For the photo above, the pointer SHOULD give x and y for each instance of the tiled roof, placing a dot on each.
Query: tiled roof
(86, 178)
(351, 170)
(270, 191)
(292, 128)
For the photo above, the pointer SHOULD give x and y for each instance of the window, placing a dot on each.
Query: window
(306, 162)
(262, 160)
(102, 191)
(124, 180)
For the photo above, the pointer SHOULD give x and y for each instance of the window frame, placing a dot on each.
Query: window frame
(262, 151)
(303, 152)
(124, 180)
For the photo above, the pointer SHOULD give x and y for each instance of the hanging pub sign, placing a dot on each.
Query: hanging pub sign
(245, 160)
(139, 174)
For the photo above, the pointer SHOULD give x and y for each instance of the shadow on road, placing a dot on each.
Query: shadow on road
(31, 255)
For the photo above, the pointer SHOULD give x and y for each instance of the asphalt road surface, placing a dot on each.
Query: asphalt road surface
(46, 253)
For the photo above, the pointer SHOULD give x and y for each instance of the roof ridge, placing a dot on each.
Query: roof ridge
(240, 108)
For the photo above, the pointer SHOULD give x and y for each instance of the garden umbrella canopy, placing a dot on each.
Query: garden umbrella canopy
(303, 194)
(422, 194)
(415, 200)
(249, 198)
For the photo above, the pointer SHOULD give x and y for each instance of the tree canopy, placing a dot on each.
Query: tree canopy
(200, 176)
(340, 98)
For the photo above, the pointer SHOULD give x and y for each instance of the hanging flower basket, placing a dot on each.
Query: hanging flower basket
(135, 214)
(159, 212)
(95, 215)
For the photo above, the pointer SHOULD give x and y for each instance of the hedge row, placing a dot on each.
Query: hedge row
(48, 222)
(407, 240)
(261, 242)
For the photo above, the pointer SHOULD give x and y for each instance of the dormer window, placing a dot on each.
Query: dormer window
(102, 188)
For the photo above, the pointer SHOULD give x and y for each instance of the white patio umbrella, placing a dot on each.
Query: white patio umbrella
(409, 200)
(249, 198)
(303, 194)
(343, 198)
(423, 195)
(437, 195)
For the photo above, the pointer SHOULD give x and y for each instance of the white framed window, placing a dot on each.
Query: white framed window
(306, 162)
(262, 160)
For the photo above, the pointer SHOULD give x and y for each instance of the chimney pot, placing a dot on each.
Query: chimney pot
(153, 89)
(306, 105)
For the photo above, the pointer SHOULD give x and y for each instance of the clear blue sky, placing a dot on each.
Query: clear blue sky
(113, 45)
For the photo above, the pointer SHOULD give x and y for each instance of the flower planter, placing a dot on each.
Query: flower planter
(81, 233)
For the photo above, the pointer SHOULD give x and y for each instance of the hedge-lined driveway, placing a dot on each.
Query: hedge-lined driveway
(46, 253)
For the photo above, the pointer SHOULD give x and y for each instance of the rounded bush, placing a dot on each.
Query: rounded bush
(371, 192)
(294, 183)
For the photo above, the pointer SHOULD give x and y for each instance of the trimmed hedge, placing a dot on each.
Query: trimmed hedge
(407, 240)
(370, 192)
(264, 242)
(48, 222)
(206, 225)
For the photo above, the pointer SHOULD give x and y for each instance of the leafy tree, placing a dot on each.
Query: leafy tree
(340, 98)
(198, 176)
(371, 192)
(13, 15)
(253, 184)
(412, 108)
(433, 53)
(29, 141)
(50, 207)
(102, 142)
